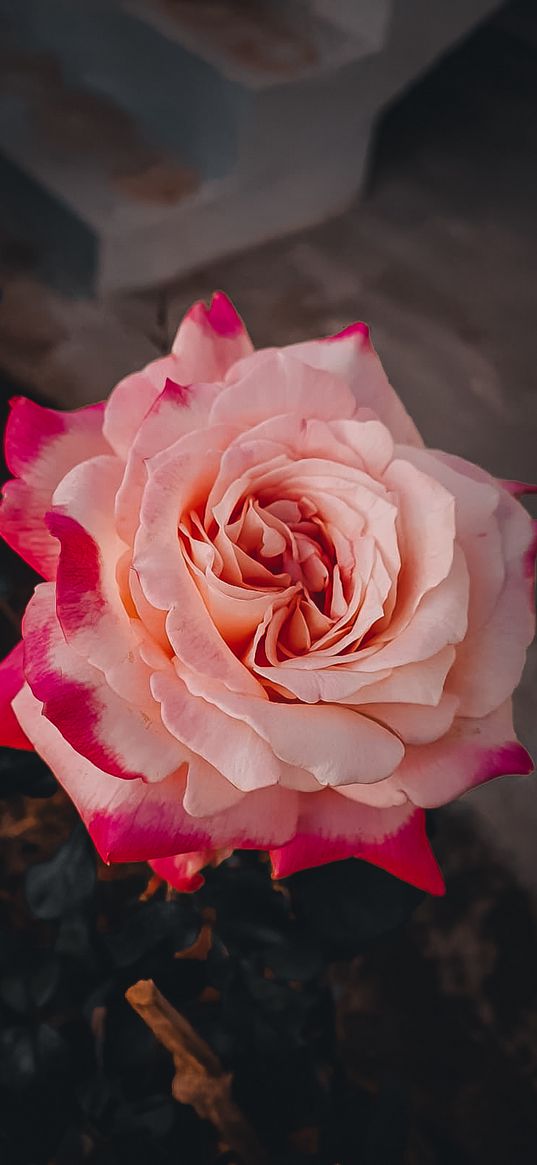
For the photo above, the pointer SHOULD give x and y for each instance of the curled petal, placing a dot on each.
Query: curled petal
(336, 745)
(471, 752)
(183, 870)
(176, 411)
(11, 682)
(230, 745)
(351, 356)
(89, 604)
(331, 828)
(210, 340)
(273, 383)
(118, 736)
(518, 488)
(41, 446)
(491, 658)
(414, 723)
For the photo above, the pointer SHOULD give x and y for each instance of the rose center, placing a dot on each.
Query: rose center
(287, 538)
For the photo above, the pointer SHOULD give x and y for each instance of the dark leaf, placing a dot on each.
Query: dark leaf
(52, 1052)
(74, 939)
(294, 958)
(17, 1058)
(31, 983)
(347, 905)
(44, 981)
(14, 992)
(23, 773)
(153, 1117)
(73, 1149)
(146, 926)
(66, 881)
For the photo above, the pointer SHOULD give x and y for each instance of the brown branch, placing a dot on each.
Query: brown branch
(199, 1077)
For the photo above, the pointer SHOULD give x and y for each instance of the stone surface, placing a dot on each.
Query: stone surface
(151, 136)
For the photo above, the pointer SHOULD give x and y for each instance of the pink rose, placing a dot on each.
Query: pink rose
(273, 619)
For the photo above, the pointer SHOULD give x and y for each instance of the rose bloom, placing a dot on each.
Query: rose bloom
(271, 618)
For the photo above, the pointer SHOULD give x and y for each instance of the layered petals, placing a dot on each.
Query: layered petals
(472, 750)
(133, 821)
(209, 341)
(351, 356)
(123, 738)
(274, 619)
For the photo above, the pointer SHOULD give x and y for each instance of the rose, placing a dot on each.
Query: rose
(273, 619)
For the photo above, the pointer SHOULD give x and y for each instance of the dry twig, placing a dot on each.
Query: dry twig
(199, 1077)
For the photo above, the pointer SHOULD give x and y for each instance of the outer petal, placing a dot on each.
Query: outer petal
(89, 606)
(351, 356)
(42, 445)
(331, 828)
(132, 398)
(274, 383)
(178, 410)
(183, 870)
(499, 540)
(211, 339)
(120, 737)
(135, 821)
(11, 682)
(517, 488)
(491, 658)
(208, 342)
(473, 751)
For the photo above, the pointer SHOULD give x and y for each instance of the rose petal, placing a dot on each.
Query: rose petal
(159, 562)
(176, 411)
(426, 528)
(206, 791)
(182, 871)
(272, 383)
(211, 339)
(332, 828)
(490, 660)
(136, 821)
(88, 602)
(122, 738)
(440, 620)
(41, 446)
(11, 682)
(414, 723)
(473, 751)
(350, 355)
(230, 745)
(336, 745)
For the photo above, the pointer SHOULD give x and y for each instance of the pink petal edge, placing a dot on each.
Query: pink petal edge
(406, 854)
(220, 316)
(11, 682)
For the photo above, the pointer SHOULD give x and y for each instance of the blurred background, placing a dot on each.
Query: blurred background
(321, 161)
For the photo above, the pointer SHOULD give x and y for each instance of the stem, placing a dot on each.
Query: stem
(199, 1077)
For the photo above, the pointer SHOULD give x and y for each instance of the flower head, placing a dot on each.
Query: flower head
(271, 618)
